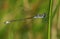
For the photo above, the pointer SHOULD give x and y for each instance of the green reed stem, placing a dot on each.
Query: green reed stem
(50, 14)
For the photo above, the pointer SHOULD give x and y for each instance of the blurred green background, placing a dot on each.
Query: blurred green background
(29, 28)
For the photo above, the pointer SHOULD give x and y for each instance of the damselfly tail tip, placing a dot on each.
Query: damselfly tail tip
(7, 22)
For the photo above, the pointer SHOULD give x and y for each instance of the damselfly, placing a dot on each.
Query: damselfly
(36, 16)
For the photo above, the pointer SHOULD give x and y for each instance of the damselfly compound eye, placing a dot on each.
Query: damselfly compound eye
(7, 22)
